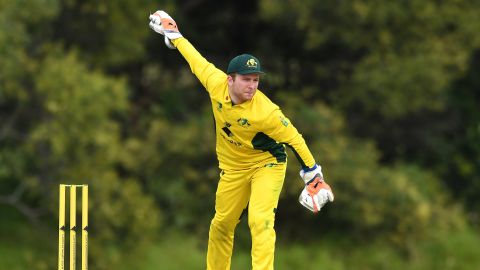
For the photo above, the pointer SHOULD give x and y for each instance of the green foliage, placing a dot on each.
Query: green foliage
(16, 41)
(367, 192)
(392, 68)
(384, 92)
(107, 33)
(77, 108)
(461, 153)
(177, 168)
(60, 125)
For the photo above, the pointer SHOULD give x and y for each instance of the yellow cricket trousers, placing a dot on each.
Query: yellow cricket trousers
(259, 188)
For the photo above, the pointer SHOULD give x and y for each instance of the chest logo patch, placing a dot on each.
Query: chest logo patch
(219, 106)
(243, 122)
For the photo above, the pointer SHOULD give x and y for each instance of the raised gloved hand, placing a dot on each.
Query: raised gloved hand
(162, 23)
(316, 192)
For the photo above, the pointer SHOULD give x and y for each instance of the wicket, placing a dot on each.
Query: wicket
(73, 226)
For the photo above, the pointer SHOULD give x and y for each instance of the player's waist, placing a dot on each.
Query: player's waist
(250, 158)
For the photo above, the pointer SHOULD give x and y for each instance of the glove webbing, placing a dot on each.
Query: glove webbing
(313, 187)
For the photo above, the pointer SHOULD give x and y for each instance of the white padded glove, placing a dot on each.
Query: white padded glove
(308, 175)
(163, 24)
(316, 192)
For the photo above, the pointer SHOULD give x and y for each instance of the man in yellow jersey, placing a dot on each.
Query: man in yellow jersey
(251, 135)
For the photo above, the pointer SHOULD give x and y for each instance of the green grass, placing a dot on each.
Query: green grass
(24, 246)
(457, 251)
(173, 252)
(450, 251)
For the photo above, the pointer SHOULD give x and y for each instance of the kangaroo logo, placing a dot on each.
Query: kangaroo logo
(243, 122)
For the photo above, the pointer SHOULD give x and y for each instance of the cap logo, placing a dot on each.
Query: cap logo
(251, 63)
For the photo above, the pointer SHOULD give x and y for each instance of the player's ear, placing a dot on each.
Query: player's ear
(230, 79)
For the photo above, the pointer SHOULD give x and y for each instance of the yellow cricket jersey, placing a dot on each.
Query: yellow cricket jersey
(248, 135)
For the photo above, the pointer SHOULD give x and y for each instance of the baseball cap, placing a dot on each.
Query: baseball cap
(244, 64)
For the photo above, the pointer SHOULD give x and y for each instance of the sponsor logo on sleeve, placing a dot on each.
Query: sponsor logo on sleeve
(284, 121)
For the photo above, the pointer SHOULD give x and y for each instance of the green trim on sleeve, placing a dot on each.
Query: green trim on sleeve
(304, 166)
(263, 142)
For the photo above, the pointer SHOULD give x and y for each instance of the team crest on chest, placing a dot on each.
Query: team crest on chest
(219, 106)
(243, 122)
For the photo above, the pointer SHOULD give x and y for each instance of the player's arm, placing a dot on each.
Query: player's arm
(316, 192)
(279, 128)
(206, 72)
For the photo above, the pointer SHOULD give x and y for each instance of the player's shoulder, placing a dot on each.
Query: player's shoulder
(219, 91)
(264, 108)
(265, 103)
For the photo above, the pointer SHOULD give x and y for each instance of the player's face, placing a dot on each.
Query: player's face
(243, 87)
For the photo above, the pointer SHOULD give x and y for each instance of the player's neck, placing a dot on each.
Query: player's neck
(233, 98)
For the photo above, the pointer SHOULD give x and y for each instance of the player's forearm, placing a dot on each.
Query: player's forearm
(278, 127)
(208, 75)
(301, 151)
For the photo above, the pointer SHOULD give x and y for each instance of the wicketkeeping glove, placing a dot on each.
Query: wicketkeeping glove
(162, 23)
(316, 192)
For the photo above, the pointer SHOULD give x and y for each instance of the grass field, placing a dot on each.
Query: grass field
(25, 246)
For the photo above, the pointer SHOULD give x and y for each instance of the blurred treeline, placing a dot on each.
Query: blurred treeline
(386, 93)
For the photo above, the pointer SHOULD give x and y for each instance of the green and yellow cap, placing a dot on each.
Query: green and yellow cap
(244, 64)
